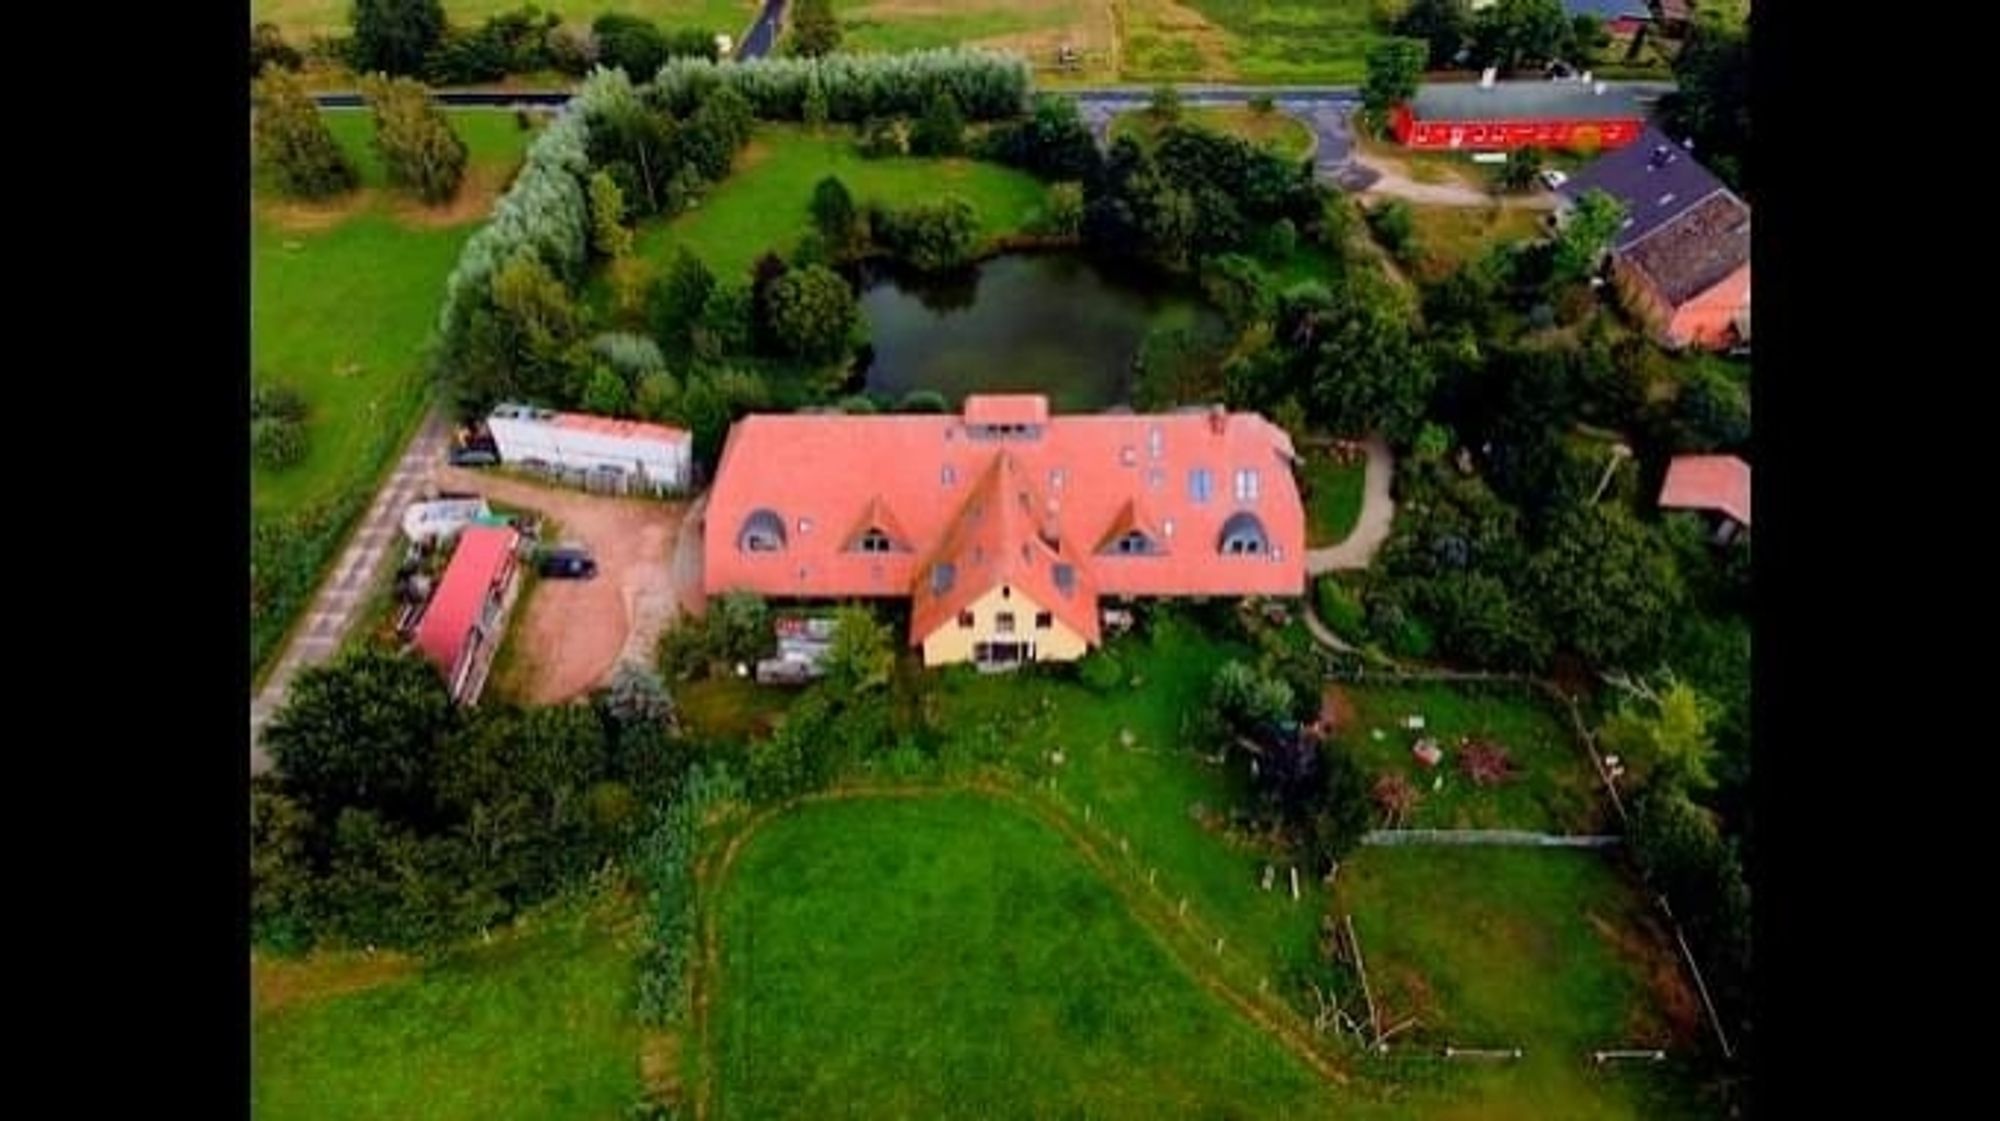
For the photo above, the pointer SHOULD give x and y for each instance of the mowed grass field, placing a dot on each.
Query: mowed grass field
(1333, 498)
(1553, 789)
(1274, 131)
(1450, 236)
(948, 956)
(537, 1025)
(1547, 950)
(301, 18)
(763, 204)
(1282, 41)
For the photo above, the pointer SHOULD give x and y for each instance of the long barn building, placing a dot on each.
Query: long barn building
(1500, 116)
(653, 456)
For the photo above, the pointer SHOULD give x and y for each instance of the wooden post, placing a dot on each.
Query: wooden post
(1295, 883)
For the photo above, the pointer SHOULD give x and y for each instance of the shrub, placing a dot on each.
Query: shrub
(629, 43)
(268, 48)
(922, 401)
(1263, 103)
(1395, 796)
(277, 401)
(1165, 105)
(1394, 228)
(1062, 214)
(277, 442)
(941, 129)
(931, 236)
(1340, 609)
(1411, 638)
(395, 36)
(812, 313)
(1486, 763)
(1102, 672)
(1052, 144)
(572, 50)
(882, 137)
(292, 141)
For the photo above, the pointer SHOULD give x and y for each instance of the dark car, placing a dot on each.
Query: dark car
(568, 563)
(473, 457)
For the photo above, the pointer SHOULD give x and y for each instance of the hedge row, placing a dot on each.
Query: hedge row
(988, 85)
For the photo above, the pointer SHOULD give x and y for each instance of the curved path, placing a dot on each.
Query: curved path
(1171, 934)
(1371, 529)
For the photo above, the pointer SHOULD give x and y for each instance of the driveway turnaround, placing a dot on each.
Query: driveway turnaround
(333, 609)
(573, 633)
(1378, 509)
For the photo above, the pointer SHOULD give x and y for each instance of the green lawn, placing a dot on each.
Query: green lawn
(300, 18)
(762, 205)
(1168, 804)
(948, 956)
(537, 1025)
(343, 297)
(1553, 789)
(730, 708)
(905, 25)
(1278, 132)
(1449, 236)
(1295, 41)
(1546, 950)
(1333, 498)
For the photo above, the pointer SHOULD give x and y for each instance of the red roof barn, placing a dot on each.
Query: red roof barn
(1712, 484)
(461, 625)
(1498, 116)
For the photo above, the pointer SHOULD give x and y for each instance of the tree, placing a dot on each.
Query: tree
(692, 42)
(396, 36)
(931, 236)
(1586, 234)
(1345, 810)
(941, 130)
(835, 217)
(637, 696)
(1710, 105)
(606, 393)
(676, 302)
(1665, 729)
(814, 110)
(1053, 143)
(1062, 213)
(362, 731)
(657, 397)
(1351, 354)
(1512, 34)
(862, 656)
(268, 48)
(1395, 227)
(608, 234)
(815, 28)
(419, 150)
(277, 442)
(881, 137)
(1246, 699)
(1608, 585)
(1443, 24)
(1587, 37)
(1711, 411)
(1523, 164)
(1165, 106)
(631, 44)
(725, 326)
(812, 313)
(292, 140)
(1394, 68)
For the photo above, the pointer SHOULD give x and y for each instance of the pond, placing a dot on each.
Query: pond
(1054, 323)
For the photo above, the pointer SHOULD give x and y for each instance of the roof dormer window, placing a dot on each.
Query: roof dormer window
(762, 532)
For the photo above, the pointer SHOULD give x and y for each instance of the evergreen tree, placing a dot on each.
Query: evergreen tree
(291, 138)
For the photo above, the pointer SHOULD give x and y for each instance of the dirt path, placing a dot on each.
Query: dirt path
(1378, 511)
(1169, 933)
(575, 632)
(1394, 181)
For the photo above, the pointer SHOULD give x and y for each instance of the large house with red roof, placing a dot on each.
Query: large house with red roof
(1005, 526)
(462, 625)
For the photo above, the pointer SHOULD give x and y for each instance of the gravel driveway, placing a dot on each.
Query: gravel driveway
(575, 632)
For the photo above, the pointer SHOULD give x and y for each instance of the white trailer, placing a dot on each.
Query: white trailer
(442, 519)
(646, 456)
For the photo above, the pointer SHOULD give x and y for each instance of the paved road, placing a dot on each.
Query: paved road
(340, 597)
(764, 33)
(1378, 510)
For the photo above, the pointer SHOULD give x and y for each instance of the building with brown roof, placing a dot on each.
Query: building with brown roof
(1005, 525)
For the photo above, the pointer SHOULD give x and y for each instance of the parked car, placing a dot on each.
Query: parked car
(567, 562)
(473, 457)
(1553, 178)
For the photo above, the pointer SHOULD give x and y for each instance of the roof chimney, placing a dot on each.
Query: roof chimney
(1486, 77)
(1218, 419)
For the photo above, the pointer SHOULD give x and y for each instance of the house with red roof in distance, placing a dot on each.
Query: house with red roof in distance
(596, 450)
(1681, 259)
(1619, 17)
(462, 625)
(1495, 116)
(1003, 525)
(1717, 486)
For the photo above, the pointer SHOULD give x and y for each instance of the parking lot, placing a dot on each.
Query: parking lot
(573, 633)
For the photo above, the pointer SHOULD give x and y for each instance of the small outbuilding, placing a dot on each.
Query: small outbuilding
(462, 625)
(600, 452)
(1717, 487)
(439, 521)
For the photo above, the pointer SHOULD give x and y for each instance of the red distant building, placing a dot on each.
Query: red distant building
(1497, 117)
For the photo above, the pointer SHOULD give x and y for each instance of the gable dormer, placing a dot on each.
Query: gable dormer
(877, 531)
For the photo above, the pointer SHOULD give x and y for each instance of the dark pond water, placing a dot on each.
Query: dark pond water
(1051, 323)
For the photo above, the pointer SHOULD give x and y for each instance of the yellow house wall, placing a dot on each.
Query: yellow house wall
(951, 643)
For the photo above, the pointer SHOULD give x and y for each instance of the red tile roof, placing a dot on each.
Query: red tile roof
(479, 560)
(820, 476)
(1708, 482)
(628, 429)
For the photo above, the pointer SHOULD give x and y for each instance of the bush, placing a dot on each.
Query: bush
(268, 48)
(881, 138)
(277, 442)
(1062, 214)
(279, 401)
(631, 44)
(1340, 609)
(941, 130)
(395, 36)
(1263, 103)
(1102, 672)
(922, 401)
(1411, 638)
(1394, 228)
(930, 236)
(986, 85)
(1052, 144)
(572, 50)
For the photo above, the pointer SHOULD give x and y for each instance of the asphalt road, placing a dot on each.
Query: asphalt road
(764, 33)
